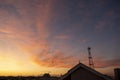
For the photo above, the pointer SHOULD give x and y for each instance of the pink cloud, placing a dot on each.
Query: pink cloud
(107, 63)
(100, 25)
(63, 37)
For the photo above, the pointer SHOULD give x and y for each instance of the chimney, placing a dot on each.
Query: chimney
(117, 73)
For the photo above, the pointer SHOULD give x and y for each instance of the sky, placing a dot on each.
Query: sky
(52, 36)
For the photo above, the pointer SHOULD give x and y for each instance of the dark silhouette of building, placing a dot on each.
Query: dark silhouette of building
(46, 75)
(117, 73)
(83, 72)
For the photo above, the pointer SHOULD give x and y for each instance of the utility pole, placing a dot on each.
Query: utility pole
(91, 63)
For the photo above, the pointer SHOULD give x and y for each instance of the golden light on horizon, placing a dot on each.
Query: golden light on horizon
(15, 68)
(21, 65)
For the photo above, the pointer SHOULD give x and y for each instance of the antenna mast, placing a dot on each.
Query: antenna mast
(91, 63)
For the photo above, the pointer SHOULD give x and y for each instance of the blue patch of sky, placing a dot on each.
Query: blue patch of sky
(10, 9)
(72, 11)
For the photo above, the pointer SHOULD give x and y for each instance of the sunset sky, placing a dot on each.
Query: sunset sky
(52, 36)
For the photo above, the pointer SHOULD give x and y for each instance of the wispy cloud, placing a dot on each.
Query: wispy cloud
(55, 59)
(30, 34)
(62, 37)
(107, 63)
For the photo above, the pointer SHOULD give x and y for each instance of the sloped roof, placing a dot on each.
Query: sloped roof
(85, 67)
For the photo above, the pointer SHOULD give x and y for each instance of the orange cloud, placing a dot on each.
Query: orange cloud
(55, 59)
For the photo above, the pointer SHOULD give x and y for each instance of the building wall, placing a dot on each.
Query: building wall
(68, 78)
(117, 74)
(82, 74)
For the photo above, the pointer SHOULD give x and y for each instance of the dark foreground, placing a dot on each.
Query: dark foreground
(28, 78)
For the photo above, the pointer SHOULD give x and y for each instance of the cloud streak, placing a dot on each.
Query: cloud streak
(107, 63)
(57, 59)
(30, 33)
